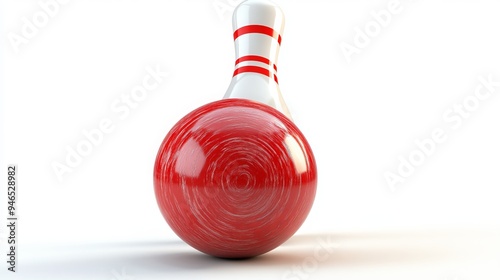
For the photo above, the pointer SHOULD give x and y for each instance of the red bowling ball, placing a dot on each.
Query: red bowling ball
(235, 178)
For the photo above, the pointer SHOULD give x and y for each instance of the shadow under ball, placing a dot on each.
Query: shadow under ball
(235, 178)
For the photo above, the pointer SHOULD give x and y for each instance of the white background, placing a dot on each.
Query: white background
(101, 220)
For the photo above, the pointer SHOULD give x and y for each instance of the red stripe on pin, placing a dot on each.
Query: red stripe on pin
(261, 29)
(256, 58)
(255, 69)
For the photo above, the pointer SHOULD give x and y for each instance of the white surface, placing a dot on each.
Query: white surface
(441, 223)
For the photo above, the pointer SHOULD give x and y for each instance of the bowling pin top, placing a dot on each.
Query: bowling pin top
(258, 26)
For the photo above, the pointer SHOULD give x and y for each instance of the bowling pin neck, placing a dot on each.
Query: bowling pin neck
(262, 13)
(258, 25)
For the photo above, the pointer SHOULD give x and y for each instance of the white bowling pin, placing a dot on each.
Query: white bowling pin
(258, 26)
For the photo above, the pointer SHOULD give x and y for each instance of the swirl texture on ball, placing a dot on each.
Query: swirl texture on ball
(235, 178)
